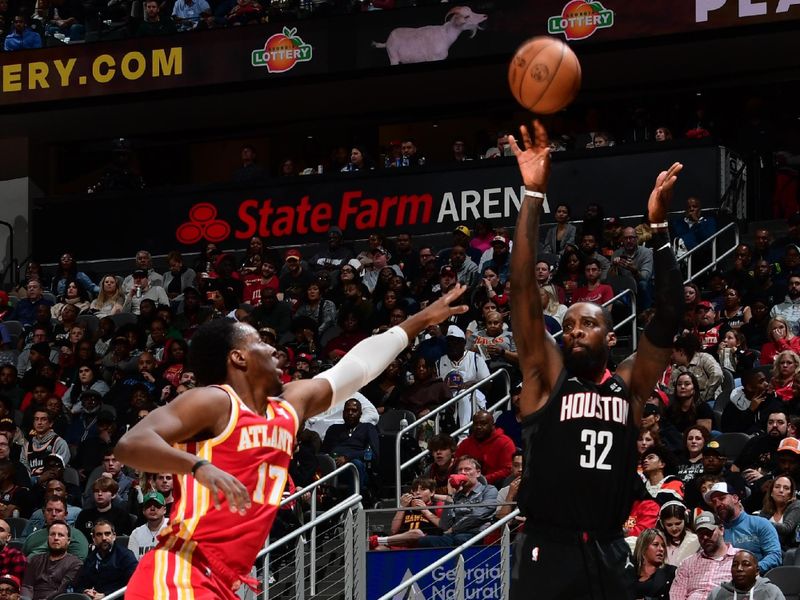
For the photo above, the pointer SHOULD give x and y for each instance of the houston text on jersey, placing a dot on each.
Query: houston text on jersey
(591, 405)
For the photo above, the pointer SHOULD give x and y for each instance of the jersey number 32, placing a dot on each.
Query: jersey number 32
(598, 445)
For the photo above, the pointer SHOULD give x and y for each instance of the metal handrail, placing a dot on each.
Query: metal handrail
(714, 258)
(400, 467)
(450, 555)
(351, 500)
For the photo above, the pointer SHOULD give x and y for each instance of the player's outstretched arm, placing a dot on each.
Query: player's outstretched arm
(539, 358)
(367, 359)
(642, 370)
(201, 411)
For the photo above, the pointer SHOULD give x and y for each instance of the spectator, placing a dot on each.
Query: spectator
(442, 448)
(273, 313)
(469, 365)
(490, 446)
(750, 405)
(332, 256)
(427, 392)
(497, 258)
(637, 261)
(318, 308)
(758, 458)
(686, 408)
(55, 509)
(188, 14)
(748, 532)
(562, 234)
(12, 560)
(143, 538)
(781, 337)
(652, 576)
(687, 357)
(702, 572)
(590, 250)
(143, 262)
(410, 156)
(105, 491)
(22, 38)
(510, 421)
(54, 571)
(25, 310)
(673, 520)
(789, 309)
(109, 299)
(569, 273)
(295, 277)
(693, 228)
(410, 525)
(461, 237)
(353, 441)
(733, 353)
(43, 443)
(745, 581)
(782, 509)
(507, 495)
(359, 161)
(141, 290)
(113, 469)
(461, 520)
(784, 369)
(694, 439)
(178, 277)
(153, 25)
(652, 421)
(10, 586)
(108, 567)
(663, 134)
(15, 500)
(53, 487)
(657, 465)
(593, 290)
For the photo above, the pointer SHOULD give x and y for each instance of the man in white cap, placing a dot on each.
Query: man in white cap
(470, 365)
(744, 531)
(708, 567)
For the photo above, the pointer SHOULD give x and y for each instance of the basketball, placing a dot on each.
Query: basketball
(544, 75)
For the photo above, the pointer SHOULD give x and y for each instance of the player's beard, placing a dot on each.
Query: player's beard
(586, 365)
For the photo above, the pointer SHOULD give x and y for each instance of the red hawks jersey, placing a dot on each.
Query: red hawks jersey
(257, 451)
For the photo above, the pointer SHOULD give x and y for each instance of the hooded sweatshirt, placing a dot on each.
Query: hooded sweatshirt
(494, 453)
(763, 589)
(737, 415)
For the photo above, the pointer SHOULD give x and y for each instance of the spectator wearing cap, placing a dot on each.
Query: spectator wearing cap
(55, 509)
(104, 493)
(788, 458)
(53, 571)
(750, 405)
(493, 448)
(708, 329)
(469, 365)
(142, 262)
(744, 531)
(380, 259)
(687, 357)
(109, 565)
(144, 538)
(143, 289)
(43, 442)
(711, 565)
(25, 309)
(53, 470)
(560, 235)
(333, 254)
(658, 466)
(12, 560)
(295, 276)
(789, 309)
(461, 237)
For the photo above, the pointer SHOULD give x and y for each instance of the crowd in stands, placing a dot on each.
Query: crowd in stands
(85, 356)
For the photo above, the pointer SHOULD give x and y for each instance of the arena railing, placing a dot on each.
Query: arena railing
(435, 414)
(353, 561)
(459, 579)
(715, 258)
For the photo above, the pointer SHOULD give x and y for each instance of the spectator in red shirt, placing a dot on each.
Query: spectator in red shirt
(493, 448)
(12, 561)
(593, 291)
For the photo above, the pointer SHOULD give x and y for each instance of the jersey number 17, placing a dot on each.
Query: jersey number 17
(278, 476)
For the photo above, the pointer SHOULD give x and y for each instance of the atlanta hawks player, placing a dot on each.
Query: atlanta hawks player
(579, 421)
(230, 444)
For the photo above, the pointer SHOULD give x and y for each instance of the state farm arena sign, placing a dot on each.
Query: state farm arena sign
(301, 210)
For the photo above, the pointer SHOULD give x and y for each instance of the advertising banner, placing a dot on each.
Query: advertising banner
(343, 44)
(301, 210)
(386, 570)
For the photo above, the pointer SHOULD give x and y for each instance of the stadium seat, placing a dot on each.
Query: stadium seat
(17, 525)
(71, 477)
(122, 541)
(91, 322)
(389, 422)
(122, 319)
(16, 544)
(14, 329)
(50, 296)
(72, 596)
(787, 579)
(732, 444)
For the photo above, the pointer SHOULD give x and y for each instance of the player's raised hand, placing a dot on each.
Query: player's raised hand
(441, 310)
(222, 483)
(534, 159)
(661, 196)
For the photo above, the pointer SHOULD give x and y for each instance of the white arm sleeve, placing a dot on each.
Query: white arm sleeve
(363, 363)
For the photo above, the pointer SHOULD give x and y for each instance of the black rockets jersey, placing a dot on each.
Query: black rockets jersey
(580, 455)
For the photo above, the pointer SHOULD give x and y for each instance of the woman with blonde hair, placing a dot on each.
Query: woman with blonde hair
(652, 576)
(784, 369)
(780, 338)
(109, 300)
(550, 304)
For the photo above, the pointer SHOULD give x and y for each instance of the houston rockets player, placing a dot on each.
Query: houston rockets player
(230, 444)
(579, 421)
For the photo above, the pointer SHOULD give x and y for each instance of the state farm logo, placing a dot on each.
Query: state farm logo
(282, 52)
(580, 19)
(203, 224)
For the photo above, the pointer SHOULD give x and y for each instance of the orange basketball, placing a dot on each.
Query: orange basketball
(544, 75)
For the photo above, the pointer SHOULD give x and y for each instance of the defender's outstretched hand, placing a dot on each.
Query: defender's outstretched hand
(661, 196)
(440, 311)
(534, 161)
